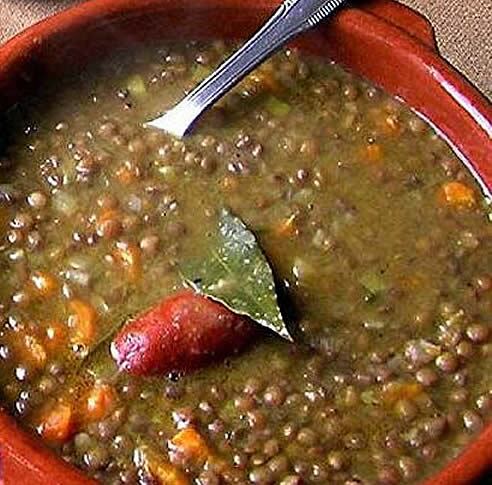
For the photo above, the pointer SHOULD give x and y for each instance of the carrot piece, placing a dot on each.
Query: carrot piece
(373, 152)
(395, 391)
(128, 256)
(98, 402)
(392, 124)
(161, 470)
(287, 227)
(44, 284)
(389, 124)
(127, 173)
(457, 194)
(57, 423)
(55, 336)
(124, 175)
(34, 351)
(189, 442)
(31, 350)
(83, 319)
(385, 122)
(167, 474)
(107, 215)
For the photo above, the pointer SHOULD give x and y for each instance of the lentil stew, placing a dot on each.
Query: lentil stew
(376, 232)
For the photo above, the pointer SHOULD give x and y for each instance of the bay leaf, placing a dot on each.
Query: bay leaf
(236, 273)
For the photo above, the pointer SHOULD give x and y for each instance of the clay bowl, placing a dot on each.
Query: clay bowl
(382, 40)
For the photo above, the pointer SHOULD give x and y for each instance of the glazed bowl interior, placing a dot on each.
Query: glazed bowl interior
(369, 41)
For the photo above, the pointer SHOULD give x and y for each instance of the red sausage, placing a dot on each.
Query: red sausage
(182, 333)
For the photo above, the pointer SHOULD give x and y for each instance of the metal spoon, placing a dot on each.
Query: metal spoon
(290, 19)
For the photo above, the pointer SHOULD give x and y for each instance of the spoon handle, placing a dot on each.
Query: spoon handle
(290, 19)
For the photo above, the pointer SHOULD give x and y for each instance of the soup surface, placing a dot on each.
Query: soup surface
(376, 233)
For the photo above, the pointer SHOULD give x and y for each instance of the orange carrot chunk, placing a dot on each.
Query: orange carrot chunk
(43, 284)
(128, 256)
(287, 227)
(156, 465)
(99, 402)
(127, 173)
(167, 474)
(373, 152)
(31, 350)
(189, 442)
(55, 336)
(457, 194)
(83, 320)
(393, 125)
(34, 351)
(107, 214)
(56, 424)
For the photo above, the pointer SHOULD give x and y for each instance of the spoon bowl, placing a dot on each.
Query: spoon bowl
(290, 19)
